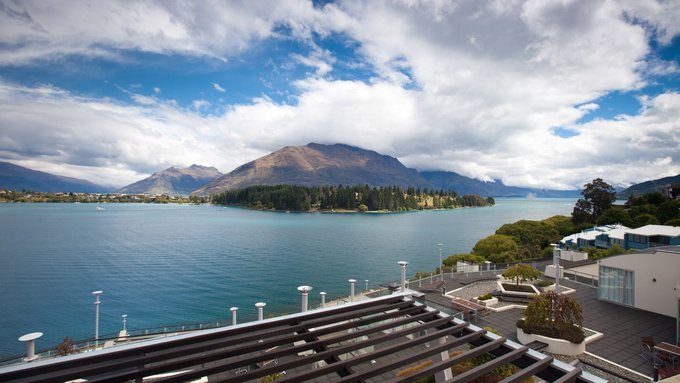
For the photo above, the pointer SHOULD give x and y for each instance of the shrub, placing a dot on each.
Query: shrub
(555, 316)
(485, 297)
(66, 347)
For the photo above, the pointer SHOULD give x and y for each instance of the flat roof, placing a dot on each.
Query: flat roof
(671, 231)
(368, 341)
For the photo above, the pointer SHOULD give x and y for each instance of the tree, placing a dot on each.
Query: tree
(615, 215)
(522, 272)
(497, 247)
(531, 236)
(598, 196)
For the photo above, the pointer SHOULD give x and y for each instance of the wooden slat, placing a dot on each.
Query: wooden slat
(528, 371)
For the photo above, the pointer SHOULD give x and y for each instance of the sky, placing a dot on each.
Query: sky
(545, 94)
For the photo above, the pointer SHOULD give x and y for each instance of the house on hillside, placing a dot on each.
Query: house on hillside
(648, 280)
(671, 191)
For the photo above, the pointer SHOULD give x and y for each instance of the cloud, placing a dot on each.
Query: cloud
(30, 30)
(218, 88)
(478, 88)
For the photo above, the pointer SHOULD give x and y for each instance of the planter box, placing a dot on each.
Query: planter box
(487, 302)
(547, 288)
(555, 346)
(516, 293)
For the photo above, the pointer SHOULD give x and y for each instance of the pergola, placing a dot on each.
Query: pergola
(392, 338)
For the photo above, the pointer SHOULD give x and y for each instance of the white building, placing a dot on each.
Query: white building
(648, 280)
(587, 238)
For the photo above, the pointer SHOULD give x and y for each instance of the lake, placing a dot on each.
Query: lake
(173, 264)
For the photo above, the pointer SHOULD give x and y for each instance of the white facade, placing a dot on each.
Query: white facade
(648, 277)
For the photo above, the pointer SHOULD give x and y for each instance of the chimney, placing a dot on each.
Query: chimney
(304, 291)
(352, 282)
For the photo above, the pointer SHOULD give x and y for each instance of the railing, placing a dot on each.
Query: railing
(582, 278)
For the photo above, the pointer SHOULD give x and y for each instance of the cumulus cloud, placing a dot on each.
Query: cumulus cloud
(472, 87)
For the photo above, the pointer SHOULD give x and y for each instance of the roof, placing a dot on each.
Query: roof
(364, 341)
(671, 231)
(591, 234)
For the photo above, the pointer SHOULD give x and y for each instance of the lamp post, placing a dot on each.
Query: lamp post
(124, 316)
(366, 289)
(96, 316)
(323, 298)
(441, 270)
(556, 264)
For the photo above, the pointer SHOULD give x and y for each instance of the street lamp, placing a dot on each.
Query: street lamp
(441, 269)
(96, 316)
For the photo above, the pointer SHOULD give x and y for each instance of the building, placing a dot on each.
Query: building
(589, 237)
(606, 236)
(392, 338)
(648, 280)
(652, 236)
(671, 191)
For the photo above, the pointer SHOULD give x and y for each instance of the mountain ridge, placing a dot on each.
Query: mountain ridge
(173, 181)
(318, 164)
(648, 186)
(15, 177)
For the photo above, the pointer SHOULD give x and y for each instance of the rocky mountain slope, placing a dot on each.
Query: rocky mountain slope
(173, 181)
(317, 164)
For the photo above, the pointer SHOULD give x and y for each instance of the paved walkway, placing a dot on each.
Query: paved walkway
(622, 326)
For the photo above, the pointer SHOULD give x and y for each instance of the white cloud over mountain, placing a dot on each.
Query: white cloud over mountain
(473, 87)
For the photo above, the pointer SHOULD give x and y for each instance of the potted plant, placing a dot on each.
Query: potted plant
(554, 319)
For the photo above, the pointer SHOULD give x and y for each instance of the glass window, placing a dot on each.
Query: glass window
(616, 285)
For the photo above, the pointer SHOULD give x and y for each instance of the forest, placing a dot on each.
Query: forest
(346, 198)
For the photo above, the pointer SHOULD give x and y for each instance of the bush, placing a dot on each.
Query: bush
(554, 315)
(484, 297)
(573, 334)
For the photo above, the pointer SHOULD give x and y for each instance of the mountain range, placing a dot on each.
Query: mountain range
(648, 187)
(309, 165)
(173, 181)
(14, 177)
(317, 164)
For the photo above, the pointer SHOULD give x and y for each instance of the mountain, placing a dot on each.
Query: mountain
(648, 187)
(464, 185)
(14, 177)
(173, 181)
(316, 165)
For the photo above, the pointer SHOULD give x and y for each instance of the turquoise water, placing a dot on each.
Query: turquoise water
(172, 264)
